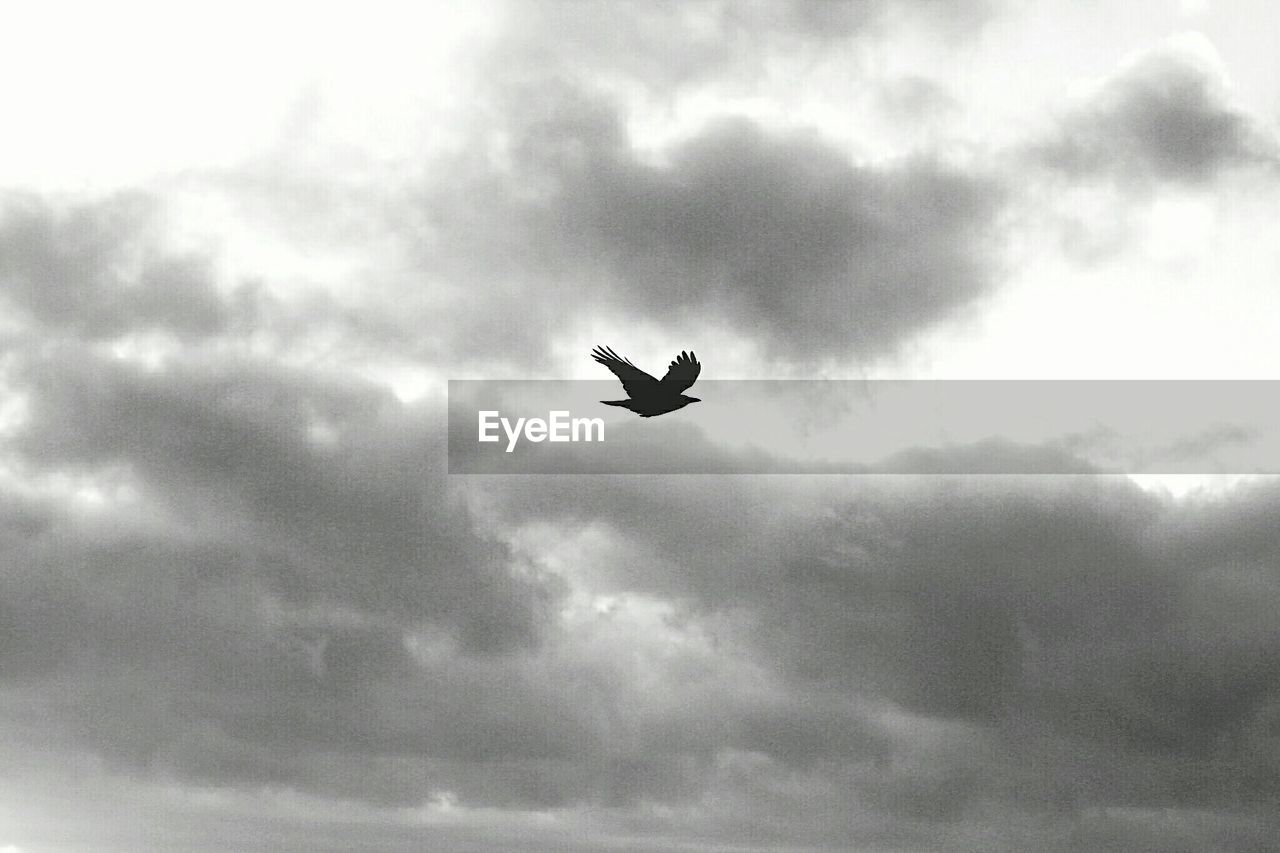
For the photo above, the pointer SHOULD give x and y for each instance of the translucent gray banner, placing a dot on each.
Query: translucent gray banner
(871, 427)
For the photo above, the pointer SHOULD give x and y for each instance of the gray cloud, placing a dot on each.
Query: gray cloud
(785, 236)
(1097, 645)
(1165, 118)
(96, 269)
(778, 235)
(331, 479)
(252, 608)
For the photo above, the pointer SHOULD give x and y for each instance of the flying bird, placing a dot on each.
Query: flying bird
(649, 396)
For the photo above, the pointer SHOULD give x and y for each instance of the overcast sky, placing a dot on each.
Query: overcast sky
(244, 607)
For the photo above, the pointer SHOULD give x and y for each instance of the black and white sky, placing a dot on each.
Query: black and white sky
(244, 246)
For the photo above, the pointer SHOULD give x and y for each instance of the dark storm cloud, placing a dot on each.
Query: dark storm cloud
(1103, 647)
(97, 270)
(290, 582)
(339, 484)
(784, 237)
(778, 235)
(1165, 118)
(249, 612)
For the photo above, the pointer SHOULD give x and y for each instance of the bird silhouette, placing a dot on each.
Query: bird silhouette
(648, 396)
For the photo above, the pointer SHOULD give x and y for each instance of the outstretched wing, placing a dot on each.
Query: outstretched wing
(635, 381)
(682, 373)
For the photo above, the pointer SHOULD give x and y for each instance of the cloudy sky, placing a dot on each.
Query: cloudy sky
(242, 250)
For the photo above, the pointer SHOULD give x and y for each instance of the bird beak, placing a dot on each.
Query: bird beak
(694, 400)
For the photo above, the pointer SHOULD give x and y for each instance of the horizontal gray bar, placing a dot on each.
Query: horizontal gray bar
(872, 426)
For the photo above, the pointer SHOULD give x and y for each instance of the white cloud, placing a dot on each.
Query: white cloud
(106, 96)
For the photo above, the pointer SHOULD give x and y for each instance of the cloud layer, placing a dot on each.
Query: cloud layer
(240, 597)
